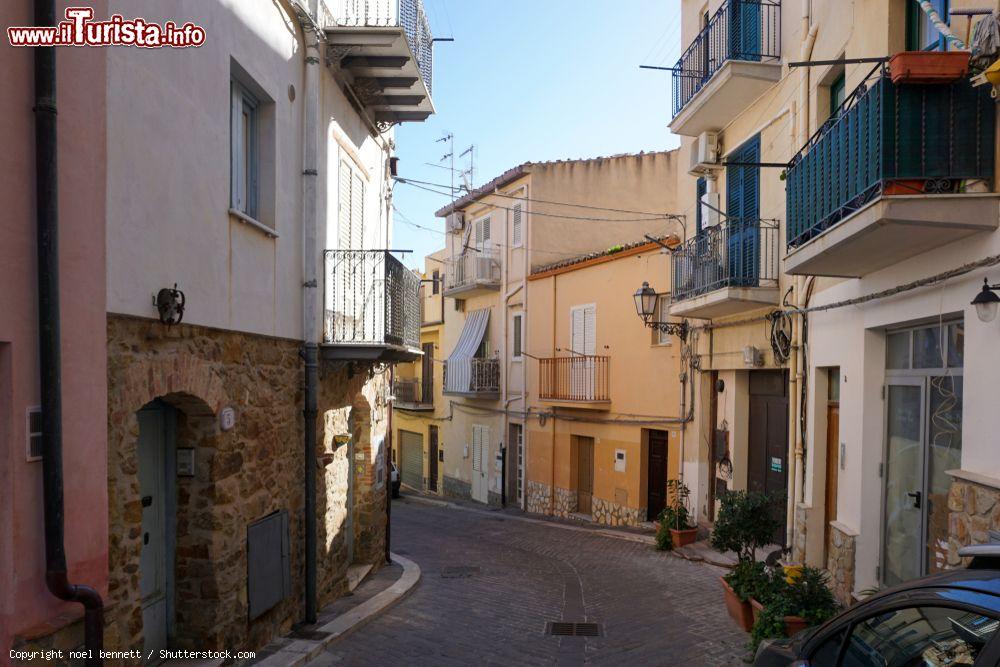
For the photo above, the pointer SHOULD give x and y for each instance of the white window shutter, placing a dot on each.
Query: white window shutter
(576, 330)
(358, 213)
(344, 208)
(590, 330)
(516, 224)
(484, 442)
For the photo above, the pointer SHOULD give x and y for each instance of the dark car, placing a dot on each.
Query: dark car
(950, 618)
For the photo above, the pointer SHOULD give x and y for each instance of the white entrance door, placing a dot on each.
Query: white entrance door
(480, 459)
(154, 572)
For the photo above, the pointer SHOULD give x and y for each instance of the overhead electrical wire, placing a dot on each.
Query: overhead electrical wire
(659, 216)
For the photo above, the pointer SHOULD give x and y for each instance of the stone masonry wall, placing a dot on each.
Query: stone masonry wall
(840, 564)
(565, 504)
(974, 510)
(456, 488)
(614, 514)
(241, 475)
(538, 497)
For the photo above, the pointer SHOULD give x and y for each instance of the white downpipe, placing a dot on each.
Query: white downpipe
(795, 453)
(310, 176)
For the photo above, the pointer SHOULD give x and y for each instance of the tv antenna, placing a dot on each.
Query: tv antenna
(469, 173)
(450, 155)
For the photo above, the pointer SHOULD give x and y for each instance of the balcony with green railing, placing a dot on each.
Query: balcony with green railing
(898, 170)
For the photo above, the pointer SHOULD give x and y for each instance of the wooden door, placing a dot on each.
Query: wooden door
(656, 494)
(432, 458)
(584, 475)
(427, 374)
(832, 468)
(768, 442)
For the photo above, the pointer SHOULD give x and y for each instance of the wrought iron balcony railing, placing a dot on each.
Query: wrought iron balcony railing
(406, 14)
(577, 378)
(735, 253)
(889, 139)
(747, 30)
(370, 299)
(413, 392)
(472, 268)
(484, 378)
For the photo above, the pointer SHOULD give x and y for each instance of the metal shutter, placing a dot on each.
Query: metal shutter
(269, 578)
(516, 215)
(411, 463)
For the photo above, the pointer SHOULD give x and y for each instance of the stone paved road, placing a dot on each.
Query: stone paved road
(655, 609)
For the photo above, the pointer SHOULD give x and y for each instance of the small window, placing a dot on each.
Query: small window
(517, 336)
(244, 150)
(919, 635)
(921, 35)
(662, 311)
(34, 434)
(836, 94)
(516, 224)
(436, 277)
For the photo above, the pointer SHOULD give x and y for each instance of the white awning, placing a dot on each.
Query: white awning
(459, 376)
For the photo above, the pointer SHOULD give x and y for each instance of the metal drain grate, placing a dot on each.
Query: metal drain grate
(566, 629)
(459, 571)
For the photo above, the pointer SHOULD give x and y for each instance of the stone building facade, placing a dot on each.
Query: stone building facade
(240, 475)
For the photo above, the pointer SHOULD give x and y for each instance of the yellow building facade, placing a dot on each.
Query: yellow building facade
(528, 217)
(607, 404)
(418, 408)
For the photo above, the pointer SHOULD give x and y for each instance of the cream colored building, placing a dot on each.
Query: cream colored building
(882, 394)
(532, 215)
(419, 408)
(607, 403)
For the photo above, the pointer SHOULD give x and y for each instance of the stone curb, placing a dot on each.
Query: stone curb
(301, 651)
(605, 532)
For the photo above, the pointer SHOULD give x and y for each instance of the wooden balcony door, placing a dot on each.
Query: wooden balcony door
(427, 374)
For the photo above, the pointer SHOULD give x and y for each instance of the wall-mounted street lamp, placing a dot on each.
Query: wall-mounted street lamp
(987, 301)
(645, 305)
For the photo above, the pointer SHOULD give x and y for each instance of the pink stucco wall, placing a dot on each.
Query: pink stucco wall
(24, 599)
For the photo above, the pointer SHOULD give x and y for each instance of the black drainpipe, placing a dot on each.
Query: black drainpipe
(311, 356)
(47, 214)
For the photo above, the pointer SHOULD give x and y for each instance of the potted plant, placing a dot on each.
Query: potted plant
(792, 604)
(929, 66)
(739, 587)
(683, 530)
(746, 522)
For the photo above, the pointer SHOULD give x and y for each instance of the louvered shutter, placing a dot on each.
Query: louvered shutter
(485, 237)
(516, 215)
(484, 446)
(357, 213)
(743, 210)
(344, 208)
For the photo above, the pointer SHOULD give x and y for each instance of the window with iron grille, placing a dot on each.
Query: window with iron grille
(34, 434)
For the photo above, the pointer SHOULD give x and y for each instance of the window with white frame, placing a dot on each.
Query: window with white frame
(244, 150)
(482, 233)
(662, 310)
(350, 208)
(516, 335)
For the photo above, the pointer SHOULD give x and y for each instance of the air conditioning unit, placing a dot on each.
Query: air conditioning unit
(455, 222)
(709, 209)
(704, 153)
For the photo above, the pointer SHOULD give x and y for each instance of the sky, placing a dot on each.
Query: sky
(534, 80)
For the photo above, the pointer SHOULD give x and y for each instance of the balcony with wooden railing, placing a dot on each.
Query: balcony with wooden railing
(733, 61)
(898, 170)
(582, 381)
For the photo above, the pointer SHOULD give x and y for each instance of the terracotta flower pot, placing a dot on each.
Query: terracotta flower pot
(755, 609)
(739, 610)
(903, 187)
(929, 66)
(683, 537)
(794, 625)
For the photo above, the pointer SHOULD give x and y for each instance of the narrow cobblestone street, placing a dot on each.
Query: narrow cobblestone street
(492, 582)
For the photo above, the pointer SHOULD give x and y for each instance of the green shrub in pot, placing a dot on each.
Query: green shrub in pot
(747, 520)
